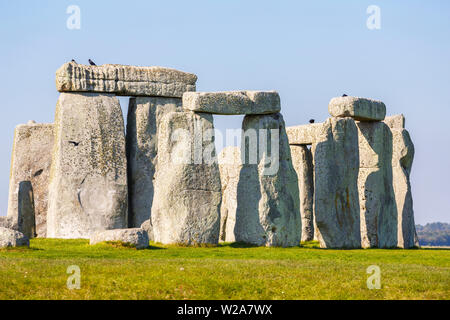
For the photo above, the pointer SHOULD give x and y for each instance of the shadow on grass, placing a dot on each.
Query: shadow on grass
(240, 245)
(20, 249)
(124, 245)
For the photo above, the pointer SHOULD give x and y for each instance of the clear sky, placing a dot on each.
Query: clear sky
(309, 51)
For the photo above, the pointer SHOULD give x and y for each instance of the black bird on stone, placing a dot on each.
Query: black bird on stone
(92, 63)
(74, 143)
(312, 121)
(344, 95)
(73, 60)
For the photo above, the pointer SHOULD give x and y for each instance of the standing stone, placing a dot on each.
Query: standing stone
(186, 203)
(376, 193)
(268, 208)
(402, 159)
(303, 164)
(336, 203)
(26, 212)
(88, 180)
(230, 167)
(144, 116)
(31, 160)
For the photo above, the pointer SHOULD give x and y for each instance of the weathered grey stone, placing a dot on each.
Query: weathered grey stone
(336, 202)
(26, 211)
(88, 179)
(12, 238)
(30, 161)
(144, 116)
(233, 102)
(376, 194)
(361, 109)
(186, 203)
(124, 80)
(303, 164)
(230, 167)
(402, 159)
(268, 208)
(147, 226)
(136, 237)
(395, 122)
(8, 223)
(304, 134)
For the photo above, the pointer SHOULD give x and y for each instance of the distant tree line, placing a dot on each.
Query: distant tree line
(434, 234)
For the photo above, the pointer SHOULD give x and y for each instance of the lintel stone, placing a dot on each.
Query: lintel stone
(360, 109)
(395, 122)
(124, 80)
(304, 134)
(233, 102)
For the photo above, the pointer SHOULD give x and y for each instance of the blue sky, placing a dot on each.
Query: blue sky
(309, 51)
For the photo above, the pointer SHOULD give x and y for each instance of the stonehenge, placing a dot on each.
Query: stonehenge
(375, 156)
(344, 182)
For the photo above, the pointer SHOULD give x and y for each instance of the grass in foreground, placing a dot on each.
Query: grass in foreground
(229, 271)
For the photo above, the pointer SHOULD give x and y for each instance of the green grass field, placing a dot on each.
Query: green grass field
(227, 271)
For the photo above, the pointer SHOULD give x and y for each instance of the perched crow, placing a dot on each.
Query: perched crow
(92, 63)
(344, 95)
(73, 60)
(74, 143)
(312, 121)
